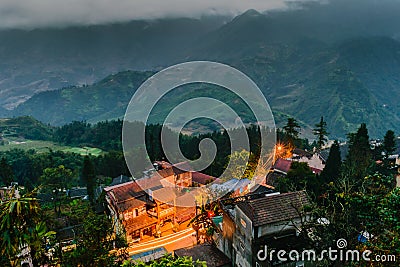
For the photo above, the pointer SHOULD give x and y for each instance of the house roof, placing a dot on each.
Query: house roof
(175, 169)
(165, 194)
(274, 208)
(77, 192)
(166, 172)
(125, 191)
(153, 182)
(262, 189)
(202, 178)
(302, 153)
(282, 165)
(205, 252)
(182, 167)
(324, 154)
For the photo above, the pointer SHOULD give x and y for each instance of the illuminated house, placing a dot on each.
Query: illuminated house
(135, 206)
(250, 222)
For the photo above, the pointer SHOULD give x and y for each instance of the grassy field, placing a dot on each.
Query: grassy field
(85, 151)
(39, 146)
(45, 146)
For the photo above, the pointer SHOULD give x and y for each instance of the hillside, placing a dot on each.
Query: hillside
(25, 127)
(45, 59)
(306, 65)
(104, 100)
(296, 82)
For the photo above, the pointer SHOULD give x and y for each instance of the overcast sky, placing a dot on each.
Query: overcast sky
(39, 13)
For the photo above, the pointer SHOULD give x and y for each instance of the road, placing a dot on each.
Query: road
(181, 239)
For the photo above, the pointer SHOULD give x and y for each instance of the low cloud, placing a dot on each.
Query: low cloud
(56, 13)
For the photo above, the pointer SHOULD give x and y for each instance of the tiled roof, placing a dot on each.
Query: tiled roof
(123, 192)
(282, 165)
(202, 178)
(274, 208)
(184, 214)
(166, 172)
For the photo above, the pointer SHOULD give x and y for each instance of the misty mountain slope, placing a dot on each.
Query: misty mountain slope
(47, 59)
(104, 100)
(308, 84)
(339, 59)
(377, 62)
(296, 81)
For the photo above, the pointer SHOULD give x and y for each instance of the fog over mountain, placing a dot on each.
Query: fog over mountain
(308, 57)
(55, 13)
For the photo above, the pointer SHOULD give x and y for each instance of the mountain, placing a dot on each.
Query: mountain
(338, 59)
(296, 81)
(106, 99)
(26, 127)
(39, 60)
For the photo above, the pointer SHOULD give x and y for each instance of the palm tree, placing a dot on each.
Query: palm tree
(21, 226)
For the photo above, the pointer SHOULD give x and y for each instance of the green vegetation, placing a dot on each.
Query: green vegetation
(389, 142)
(333, 89)
(88, 178)
(321, 133)
(84, 151)
(104, 100)
(167, 261)
(25, 127)
(21, 226)
(333, 164)
(39, 146)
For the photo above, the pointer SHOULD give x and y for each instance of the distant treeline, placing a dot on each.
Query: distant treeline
(107, 135)
(28, 166)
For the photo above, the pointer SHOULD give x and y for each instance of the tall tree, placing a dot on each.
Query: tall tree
(56, 178)
(321, 133)
(389, 142)
(292, 130)
(360, 156)
(89, 177)
(6, 172)
(333, 163)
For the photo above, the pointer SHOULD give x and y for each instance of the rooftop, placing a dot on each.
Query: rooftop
(282, 165)
(202, 178)
(123, 192)
(274, 208)
(205, 252)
